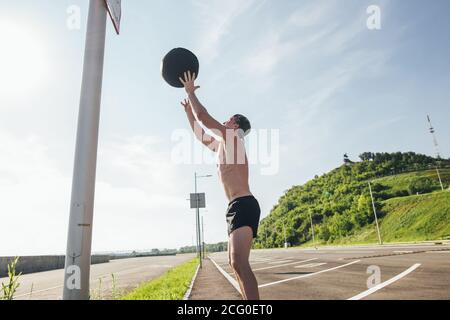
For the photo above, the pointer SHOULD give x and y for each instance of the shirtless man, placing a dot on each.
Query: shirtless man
(243, 211)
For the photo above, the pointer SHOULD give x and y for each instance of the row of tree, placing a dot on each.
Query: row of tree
(209, 247)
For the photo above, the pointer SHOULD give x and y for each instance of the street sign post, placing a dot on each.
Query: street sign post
(79, 238)
(198, 200)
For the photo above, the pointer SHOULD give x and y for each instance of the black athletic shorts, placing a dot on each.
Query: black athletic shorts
(243, 211)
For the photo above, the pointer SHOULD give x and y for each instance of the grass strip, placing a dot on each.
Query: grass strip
(172, 285)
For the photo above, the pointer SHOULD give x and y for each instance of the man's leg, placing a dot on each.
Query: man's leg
(231, 265)
(240, 245)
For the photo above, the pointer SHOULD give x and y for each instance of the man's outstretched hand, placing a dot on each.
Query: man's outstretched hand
(185, 104)
(188, 82)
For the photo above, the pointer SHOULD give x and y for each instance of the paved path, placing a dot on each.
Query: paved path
(129, 274)
(406, 272)
(210, 284)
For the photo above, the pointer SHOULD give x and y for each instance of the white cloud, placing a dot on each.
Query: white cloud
(312, 14)
(34, 197)
(324, 44)
(138, 161)
(306, 33)
(23, 63)
(139, 198)
(217, 19)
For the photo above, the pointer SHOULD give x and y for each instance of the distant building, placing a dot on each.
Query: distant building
(347, 160)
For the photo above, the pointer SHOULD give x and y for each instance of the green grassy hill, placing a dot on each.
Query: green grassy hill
(413, 218)
(401, 182)
(423, 217)
(410, 204)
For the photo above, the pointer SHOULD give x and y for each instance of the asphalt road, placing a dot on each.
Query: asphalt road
(129, 273)
(405, 272)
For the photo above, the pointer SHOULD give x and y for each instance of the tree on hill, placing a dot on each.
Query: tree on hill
(347, 160)
(339, 200)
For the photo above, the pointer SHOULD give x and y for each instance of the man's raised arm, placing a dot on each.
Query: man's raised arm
(199, 133)
(198, 109)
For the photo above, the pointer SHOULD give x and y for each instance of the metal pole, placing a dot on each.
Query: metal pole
(203, 239)
(375, 213)
(266, 238)
(198, 222)
(312, 229)
(78, 254)
(440, 180)
(284, 231)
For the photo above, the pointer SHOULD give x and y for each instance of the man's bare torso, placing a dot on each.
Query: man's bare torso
(232, 167)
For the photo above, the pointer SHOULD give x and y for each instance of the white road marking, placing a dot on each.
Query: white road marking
(386, 283)
(37, 291)
(283, 265)
(262, 258)
(280, 262)
(311, 265)
(230, 279)
(255, 263)
(252, 262)
(308, 275)
(444, 251)
(351, 252)
(403, 251)
(316, 252)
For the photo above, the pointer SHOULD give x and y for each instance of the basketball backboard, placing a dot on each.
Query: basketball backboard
(115, 12)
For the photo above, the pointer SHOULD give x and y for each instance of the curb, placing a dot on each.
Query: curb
(368, 245)
(396, 254)
(189, 290)
(230, 279)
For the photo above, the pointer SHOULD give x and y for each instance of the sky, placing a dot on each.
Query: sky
(313, 78)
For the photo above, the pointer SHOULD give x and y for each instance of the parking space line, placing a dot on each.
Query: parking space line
(255, 263)
(283, 265)
(308, 275)
(311, 265)
(279, 262)
(443, 251)
(350, 252)
(386, 283)
(264, 258)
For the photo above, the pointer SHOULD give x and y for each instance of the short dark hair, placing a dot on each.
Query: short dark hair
(243, 123)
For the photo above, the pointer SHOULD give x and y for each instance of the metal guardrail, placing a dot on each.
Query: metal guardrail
(32, 264)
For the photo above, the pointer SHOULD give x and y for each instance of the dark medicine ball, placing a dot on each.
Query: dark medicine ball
(175, 63)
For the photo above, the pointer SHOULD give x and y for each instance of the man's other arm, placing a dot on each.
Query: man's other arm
(199, 133)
